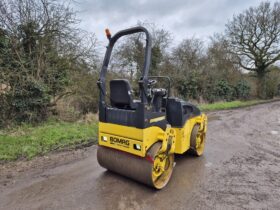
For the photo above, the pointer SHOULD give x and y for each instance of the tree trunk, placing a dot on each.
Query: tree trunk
(261, 89)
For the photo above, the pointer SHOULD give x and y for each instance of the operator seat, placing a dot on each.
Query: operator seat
(121, 94)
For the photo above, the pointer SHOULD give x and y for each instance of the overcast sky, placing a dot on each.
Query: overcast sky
(183, 18)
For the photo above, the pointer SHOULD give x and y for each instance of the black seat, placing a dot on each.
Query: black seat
(120, 94)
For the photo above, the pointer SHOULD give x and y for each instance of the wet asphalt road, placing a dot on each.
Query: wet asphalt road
(239, 170)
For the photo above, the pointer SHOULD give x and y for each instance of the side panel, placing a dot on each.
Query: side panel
(182, 143)
(121, 143)
(129, 139)
(121, 130)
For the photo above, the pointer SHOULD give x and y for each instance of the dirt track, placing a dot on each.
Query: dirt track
(240, 170)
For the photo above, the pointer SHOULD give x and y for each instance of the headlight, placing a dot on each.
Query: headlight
(104, 138)
(137, 146)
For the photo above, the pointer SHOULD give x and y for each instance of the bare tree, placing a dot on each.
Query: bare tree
(129, 54)
(188, 60)
(254, 36)
(41, 46)
(220, 62)
(188, 56)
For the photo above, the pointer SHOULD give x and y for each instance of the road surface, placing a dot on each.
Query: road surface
(239, 170)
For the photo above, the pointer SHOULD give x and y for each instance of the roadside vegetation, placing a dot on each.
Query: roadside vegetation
(230, 105)
(27, 141)
(49, 68)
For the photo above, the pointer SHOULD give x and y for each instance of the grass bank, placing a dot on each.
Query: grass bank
(231, 105)
(25, 142)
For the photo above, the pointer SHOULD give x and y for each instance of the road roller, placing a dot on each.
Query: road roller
(138, 136)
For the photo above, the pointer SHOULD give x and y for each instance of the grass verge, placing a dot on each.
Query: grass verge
(231, 105)
(25, 142)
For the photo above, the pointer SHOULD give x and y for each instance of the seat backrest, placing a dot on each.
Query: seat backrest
(120, 94)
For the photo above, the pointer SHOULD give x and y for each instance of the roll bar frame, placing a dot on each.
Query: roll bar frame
(143, 82)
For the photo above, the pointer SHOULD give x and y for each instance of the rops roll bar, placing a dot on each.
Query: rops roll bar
(145, 72)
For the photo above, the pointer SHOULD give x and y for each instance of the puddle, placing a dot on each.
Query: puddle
(213, 117)
(274, 132)
(208, 164)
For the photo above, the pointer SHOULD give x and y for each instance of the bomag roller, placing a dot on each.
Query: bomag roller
(138, 138)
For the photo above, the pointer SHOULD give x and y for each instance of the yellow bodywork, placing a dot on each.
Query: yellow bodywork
(137, 141)
(183, 135)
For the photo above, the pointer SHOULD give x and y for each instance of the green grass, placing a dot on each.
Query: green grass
(25, 142)
(229, 105)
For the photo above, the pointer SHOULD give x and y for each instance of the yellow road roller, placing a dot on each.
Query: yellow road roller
(138, 136)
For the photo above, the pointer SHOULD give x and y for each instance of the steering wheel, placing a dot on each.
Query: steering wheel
(152, 82)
